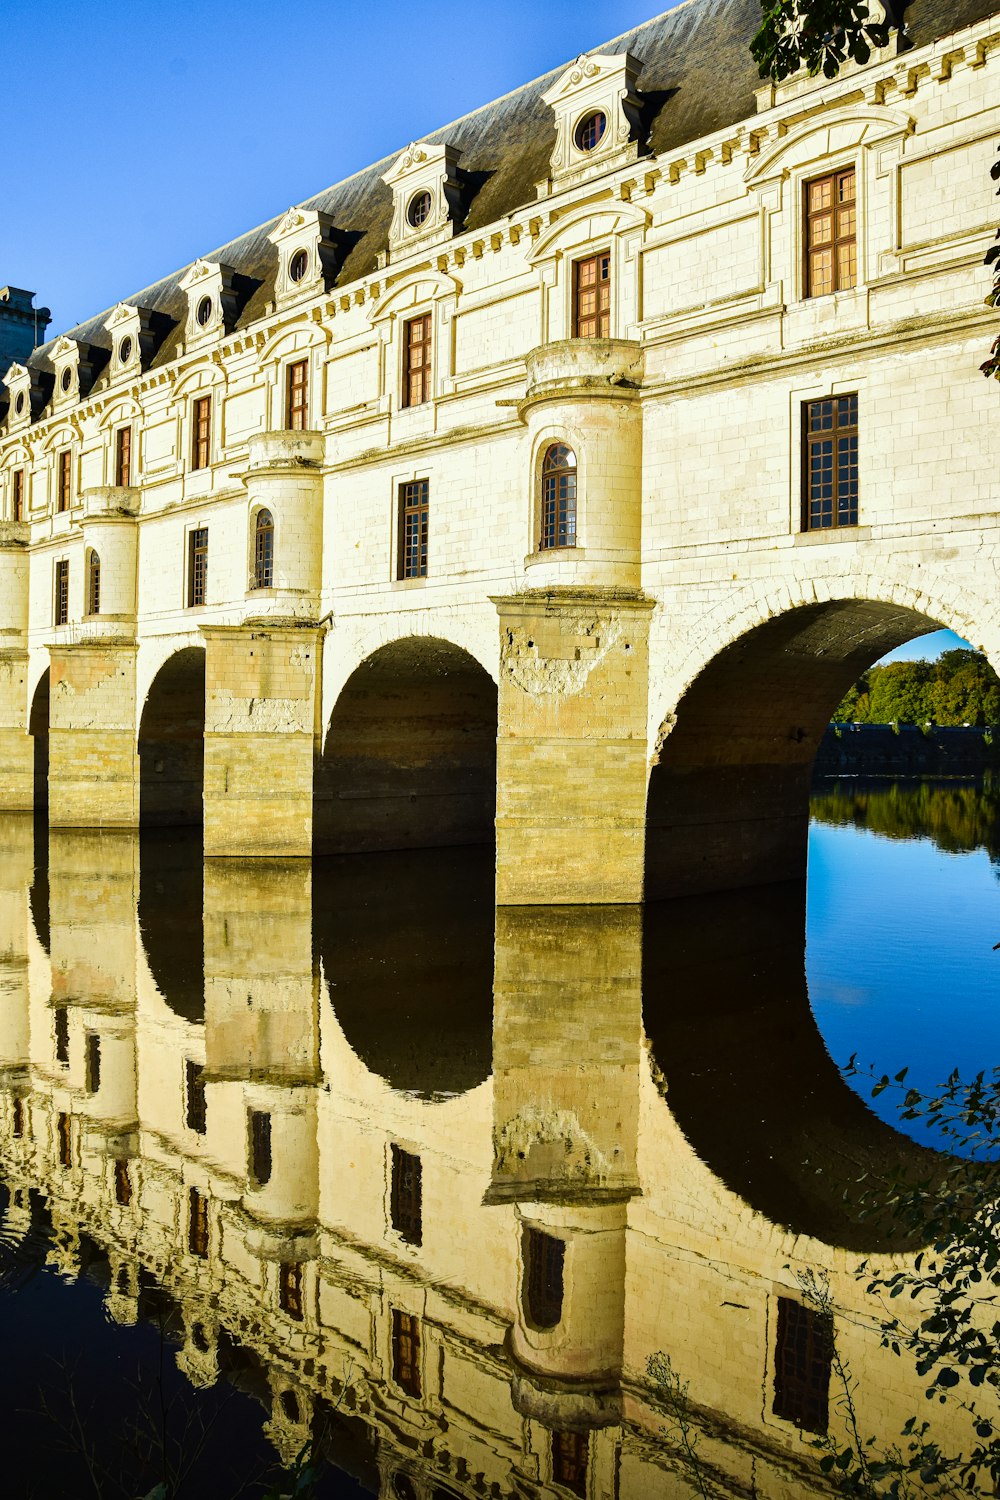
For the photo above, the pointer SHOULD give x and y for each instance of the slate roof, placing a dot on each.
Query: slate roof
(697, 77)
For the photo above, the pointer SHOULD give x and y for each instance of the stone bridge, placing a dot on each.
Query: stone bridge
(346, 553)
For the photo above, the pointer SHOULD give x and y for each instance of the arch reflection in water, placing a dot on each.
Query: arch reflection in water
(387, 1311)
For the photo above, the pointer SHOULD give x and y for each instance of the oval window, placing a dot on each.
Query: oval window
(298, 265)
(204, 312)
(19, 404)
(124, 351)
(419, 210)
(591, 130)
(66, 378)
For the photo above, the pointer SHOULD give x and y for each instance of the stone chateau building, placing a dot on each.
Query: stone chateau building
(564, 469)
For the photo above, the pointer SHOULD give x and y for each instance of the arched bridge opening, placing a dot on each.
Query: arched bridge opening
(38, 729)
(410, 754)
(172, 743)
(728, 796)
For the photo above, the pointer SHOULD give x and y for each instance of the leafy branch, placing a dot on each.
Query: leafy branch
(818, 35)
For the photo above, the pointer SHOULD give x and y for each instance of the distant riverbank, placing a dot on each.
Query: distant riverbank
(907, 750)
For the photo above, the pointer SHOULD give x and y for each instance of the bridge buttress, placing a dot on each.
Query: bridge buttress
(93, 758)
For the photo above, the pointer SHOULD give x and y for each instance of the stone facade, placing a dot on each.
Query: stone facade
(662, 685)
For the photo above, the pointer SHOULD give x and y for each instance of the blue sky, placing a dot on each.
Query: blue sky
(926, 647)
(141, 135)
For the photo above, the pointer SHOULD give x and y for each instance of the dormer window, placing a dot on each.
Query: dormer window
(426, 197)
(419, 210)
(298, 265)
(308, 254)
(214, 300)
(66, 379)
(124, 351)
(591, 130)
(597, 113)
(135, 334)
(75, 367)
(204, 312)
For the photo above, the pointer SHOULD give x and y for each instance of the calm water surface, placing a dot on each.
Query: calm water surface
(347, 1163)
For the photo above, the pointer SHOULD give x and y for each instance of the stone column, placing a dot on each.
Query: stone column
(93, 759)
(16, 865)
(262, 679)
(16, 749)
(261, 736)
(571, 749)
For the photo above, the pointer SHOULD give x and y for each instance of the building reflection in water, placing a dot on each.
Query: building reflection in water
(426, 1180)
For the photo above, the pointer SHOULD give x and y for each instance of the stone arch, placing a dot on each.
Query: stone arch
(38, 729)
(172, 743)
(410, 755)
(728, 795)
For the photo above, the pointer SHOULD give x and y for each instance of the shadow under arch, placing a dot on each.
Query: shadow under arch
(38, 728)
(406, 942)
(728, 798)
(171, 917)
(410, 755)
(172, 743)
(746, 1074)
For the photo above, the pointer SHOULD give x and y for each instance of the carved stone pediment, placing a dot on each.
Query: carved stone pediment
(597, 113)
(426, 197)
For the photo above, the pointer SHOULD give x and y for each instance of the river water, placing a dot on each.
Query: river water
(344, 1168)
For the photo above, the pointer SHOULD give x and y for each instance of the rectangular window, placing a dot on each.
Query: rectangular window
(570, 1451)
(831, 234)
(18, 1121)
(414, 508)
(290, 1288)
(198, 1224)
(417, 361)
(297, 396)
(201, 428)
(65, 1144)
(196, 1101)
(197, 566)
(17, 496)
(405, 1204)
(544, 1257)
(123, 457)
(830, 463)
(802, 1363)
(592, 298)
(123, 1183)
(61, 611)
(60, 1021)
(260, 1146)
(92, 1058)
(406, 1352)
(64, 479)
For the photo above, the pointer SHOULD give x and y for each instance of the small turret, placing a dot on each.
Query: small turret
(22, 325)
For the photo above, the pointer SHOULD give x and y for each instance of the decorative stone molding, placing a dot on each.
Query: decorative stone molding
(213, 301)
(584, 366)
(595, 87)
(76, 366)
(109, 500)
(135, 334)
(426, 197)
(308, 254)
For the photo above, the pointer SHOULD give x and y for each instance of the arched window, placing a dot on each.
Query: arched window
(93, 584)
(558, 520)
(263, 551)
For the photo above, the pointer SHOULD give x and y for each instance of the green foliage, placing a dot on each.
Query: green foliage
(816, 34)
(959, 688)
(956, 816)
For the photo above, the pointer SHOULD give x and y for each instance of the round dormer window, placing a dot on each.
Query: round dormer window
(19, 404)
(66, 378)
(591, 130)
(419, 210)
(124, 351)
(298, 265)
(204, 312)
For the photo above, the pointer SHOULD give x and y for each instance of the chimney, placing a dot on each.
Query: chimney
(22, 326)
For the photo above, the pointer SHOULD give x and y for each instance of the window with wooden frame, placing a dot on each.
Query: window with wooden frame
(830, 463)
(263, 550)
(405, 1195)
(570, 1452)
(92, 1063)
(414, 517)
(297, 396)
(195, 1097)
(290, 1288)
(259, 1128)
(93, 583)
(803, 1360)
(558, 504)
(417, 360)
(197, 566)
(60, 612)
(544, 1256)
(198, 1224)
(201, 432)
(406, 1352)
(123, 1183)
(64, 479)
(831, 233)
(64, 1140)
(123, 457)
(592, 297)
(60, 1030)
(17, 495)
